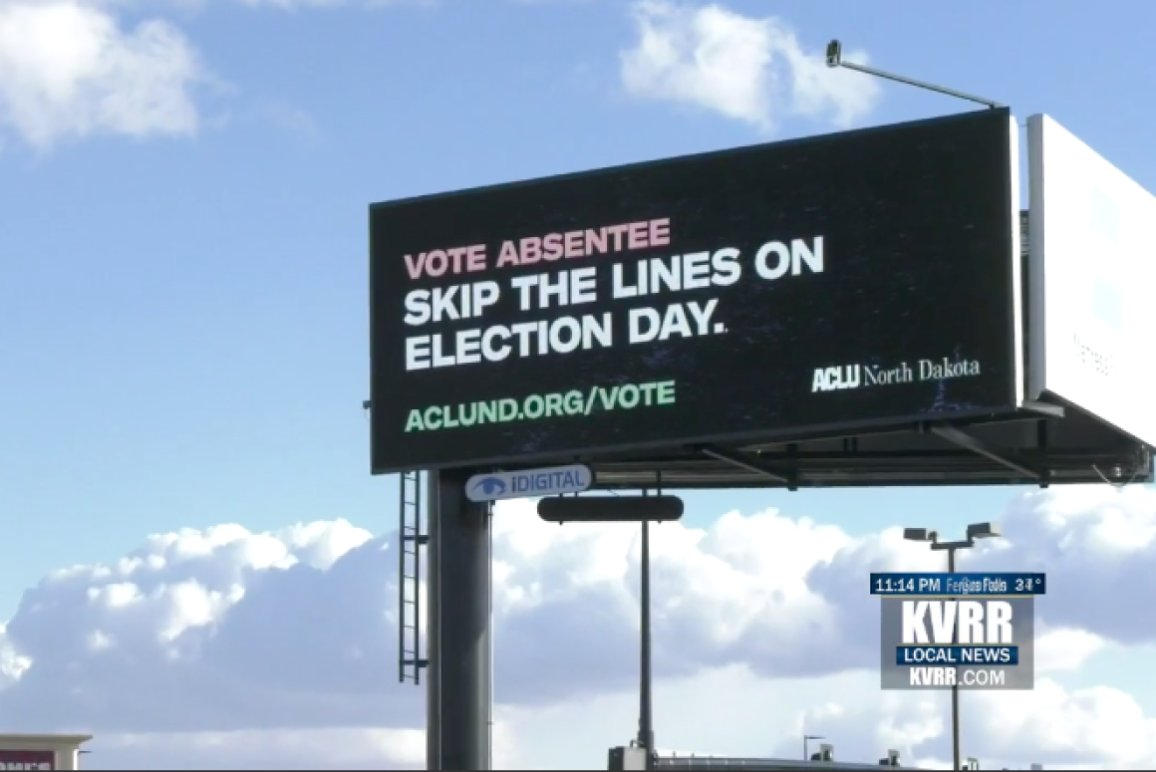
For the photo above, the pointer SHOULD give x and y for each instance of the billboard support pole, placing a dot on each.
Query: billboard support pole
(835, 59)
(645, 699)
(459, 642)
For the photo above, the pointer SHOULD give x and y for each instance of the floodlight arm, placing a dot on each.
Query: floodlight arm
(952, 546)
(835, 59)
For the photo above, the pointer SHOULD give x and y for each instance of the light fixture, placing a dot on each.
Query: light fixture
(984, 531)
(920, 534)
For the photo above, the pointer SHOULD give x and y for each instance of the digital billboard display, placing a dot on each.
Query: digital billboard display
(845, 281)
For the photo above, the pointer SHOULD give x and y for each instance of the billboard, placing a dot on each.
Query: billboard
(840, 282)
(1092, 262)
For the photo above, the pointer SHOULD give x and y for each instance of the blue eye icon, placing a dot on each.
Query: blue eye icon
(490, 486)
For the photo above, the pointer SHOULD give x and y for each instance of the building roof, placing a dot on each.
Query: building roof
(753, 764)
(44, 740)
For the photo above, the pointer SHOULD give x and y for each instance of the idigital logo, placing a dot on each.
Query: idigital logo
(548, 481)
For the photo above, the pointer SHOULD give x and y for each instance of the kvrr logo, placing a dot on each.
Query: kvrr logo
(836, 378)
(965, 622)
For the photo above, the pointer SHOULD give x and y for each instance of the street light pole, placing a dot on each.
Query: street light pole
(974, 531)
(955, 749)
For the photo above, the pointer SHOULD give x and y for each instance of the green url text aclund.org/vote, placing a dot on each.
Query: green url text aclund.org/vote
(537, 407)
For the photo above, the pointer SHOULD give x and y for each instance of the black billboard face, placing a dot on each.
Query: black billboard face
(844, 281)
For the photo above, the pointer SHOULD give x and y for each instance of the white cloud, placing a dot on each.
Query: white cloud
(1092, 541)
(1065, 649)
(750, 69)
(12, 665)
(289, 118)
(72, 69)
(281, 646)
(1098, 728)
(1086, 726)
(69, 70)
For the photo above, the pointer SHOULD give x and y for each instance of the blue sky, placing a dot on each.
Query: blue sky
(183, 225)
(185, 317)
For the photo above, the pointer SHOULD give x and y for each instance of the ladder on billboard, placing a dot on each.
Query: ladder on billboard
(411, 540)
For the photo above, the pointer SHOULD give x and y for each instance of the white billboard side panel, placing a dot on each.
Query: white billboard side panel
(1092, 239)
(1016, 262)
(1037, 268)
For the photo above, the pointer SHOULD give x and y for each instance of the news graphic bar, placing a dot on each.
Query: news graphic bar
(966, 631)
(956, 656)
(1019, 585)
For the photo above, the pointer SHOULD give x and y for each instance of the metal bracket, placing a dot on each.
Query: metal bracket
(747, 461)
(1043, 408)
(970, 442)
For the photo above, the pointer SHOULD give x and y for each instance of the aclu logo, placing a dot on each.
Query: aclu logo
(837, 378)
(964, 622)
(856, 376)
